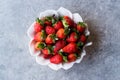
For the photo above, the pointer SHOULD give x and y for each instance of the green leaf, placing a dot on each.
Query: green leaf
(40, 21)
(37, 20)
(43, 34)
(60, 18)
(48, 18)
(75, 30)
(65, 58)
(65, 24)
(82, 24)
(41, 45)
(50, 49)
(67, 31)
(79, 44)
(53, 36)
(53, 21)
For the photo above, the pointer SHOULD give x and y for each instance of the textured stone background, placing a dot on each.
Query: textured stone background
(103, 57)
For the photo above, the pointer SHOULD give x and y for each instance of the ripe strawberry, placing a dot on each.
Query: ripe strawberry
(58, 25)
(81, 27)
(49, 20)
(74, 25)
(72, 57)
(83, 38)
(72, 38)
(39, 45)
(46, 53)
(67, 22)
(56, 59)
(38, 26)
(49, 30)
(47, 56)
(40, 36)
(59, 45)
(50, 39)
(70, 48)
(61, 33)
(48, 23)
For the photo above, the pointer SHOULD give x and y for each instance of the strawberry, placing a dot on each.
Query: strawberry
(47, 23)
(58, 25)
(46, 52)
(56, 59)
(74, 25)
(81, 27)
(39, 45)
(47, 56)
(70, 48)
(61, 33)
(72, 57)
(83, 38)
(49, 30)
(49, 20)
(59, 45)
(40, 36)
(67, 22)
(38, 26)
(50, 39)
(72, 38)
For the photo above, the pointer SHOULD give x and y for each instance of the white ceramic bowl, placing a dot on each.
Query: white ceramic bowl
(40, 60)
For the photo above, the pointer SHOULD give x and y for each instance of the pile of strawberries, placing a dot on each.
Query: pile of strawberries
(59, 39)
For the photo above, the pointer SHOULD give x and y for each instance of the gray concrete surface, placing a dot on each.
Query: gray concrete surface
(103, 57)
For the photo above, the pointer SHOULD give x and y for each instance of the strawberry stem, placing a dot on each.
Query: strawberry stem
(43, 34)
(80, 45)
(65, 24)
(67, 31)
(65, 59)
(82, 24)
(41, 45)
(40, 21)
(63, 56)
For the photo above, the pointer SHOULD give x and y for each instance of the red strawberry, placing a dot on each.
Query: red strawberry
(46, 53)
(48, 23)
(81, 27)
(59, 45)
(72, 38)
(75, 25)
(49, 20)
(40, 36)
(67, 22)
(58, 25)
(38, 25)
(50, 39)
(83, 38)
(47, 56)
(72, 57)
(39, 45)
(61, 33)
(56, 59)
(49, 30)
(70, 48)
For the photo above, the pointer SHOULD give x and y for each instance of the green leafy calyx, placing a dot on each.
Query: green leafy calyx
(41, 45)
(40, 21)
